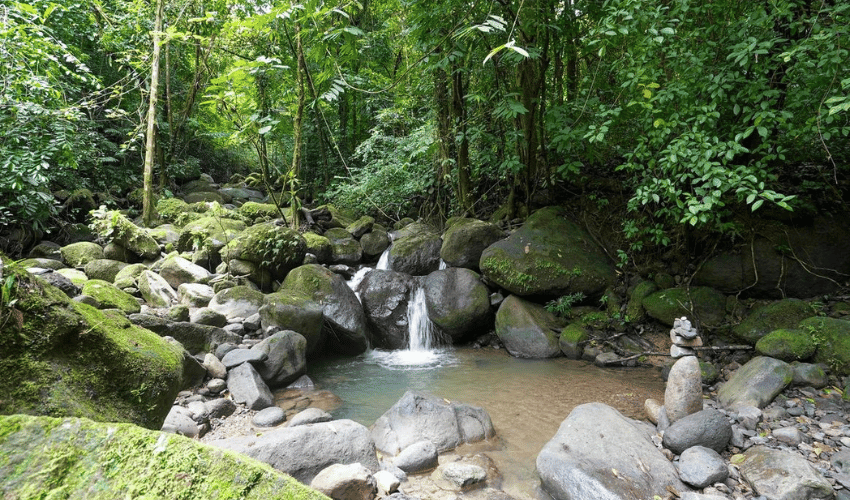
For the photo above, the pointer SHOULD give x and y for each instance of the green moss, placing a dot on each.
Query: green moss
(111, 296)
(169, 209)
(700, 304)
(634, 309)
(318, 245)
(781, 314)
(787, 345)
(257, 212)
(274, 248)
(81, 253)
(71, 359)
(832, 337)
(78, 458)
(708, 372)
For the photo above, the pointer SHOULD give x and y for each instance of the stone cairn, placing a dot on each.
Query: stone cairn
(683, 394)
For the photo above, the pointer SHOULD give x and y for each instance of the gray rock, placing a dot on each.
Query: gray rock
(303, 451)
(195, 294)
(783, 475)
(102, 269)
(598, 454)
(310, 416)
(61, 282)
(216, 385)
(419, 416)
(247, 387)
(345, 249)
(386, 481)
(374, 243)
(458, 303)
(269, 417)
(385, 295)
(700, 467)
(748, 417)
(294, 310)
(465, 240)
(237, 302)
(346, 482)
(808, 374)
(683, 395)
(178, 313)
(252, 322)
(178, 271)
(220, 408)
(179, 421)
(416, 251)
(756, 383)
(304, 383)
(206, 316)
(458, 476)
(285, 358)
(788, 435)
(527, 329)
(195, 338)
(418, 457)
(238, 356)
(198, 409)
(707, 428)
(215, 368)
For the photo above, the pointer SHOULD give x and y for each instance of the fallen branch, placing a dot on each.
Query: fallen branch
(620, 361)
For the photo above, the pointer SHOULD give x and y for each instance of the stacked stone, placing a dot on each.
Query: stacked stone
(684, 337)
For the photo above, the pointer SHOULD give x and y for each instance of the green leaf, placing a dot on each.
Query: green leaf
(265, 130)
(757, 204)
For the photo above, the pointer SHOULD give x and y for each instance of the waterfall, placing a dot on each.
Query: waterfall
(420, 329)
(443, 265)
(384, 261)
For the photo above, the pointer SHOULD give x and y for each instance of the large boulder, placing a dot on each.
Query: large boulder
(780, 314)
(319, 246)
(345, 249)
(705, 306)
(43, 457)
(416, 251)
(305, 450)
(209, 233)
(128, 276)
(832, 337)
(385, 296)
(285, 358)
(598, 454)
(155, 290)
(237, 302)
(345, 322)
(291, 310)
(260, 212)
(458, 303)
(176, 271)
(374, 242)
(273, 247)
(708, 428)
(783, 475)
(784, 261)
(787, 344)
(81, 253)
(527, 329)
(756, 383)
(465, 240)
(65, 358)
(118, 229)
(103, 269)
(549, 255)
(420, 416)
(361, 226)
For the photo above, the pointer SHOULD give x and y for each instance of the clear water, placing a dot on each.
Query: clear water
(526, 399)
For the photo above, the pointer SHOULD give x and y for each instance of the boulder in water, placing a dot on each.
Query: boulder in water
(344, 248)
(527, 329)
(416, 251)
(291, 310)
(465, 240)
(385, 296)
(458, 303)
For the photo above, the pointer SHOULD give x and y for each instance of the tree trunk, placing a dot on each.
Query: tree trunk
(459, 117)
(297, 127)
(150, 138)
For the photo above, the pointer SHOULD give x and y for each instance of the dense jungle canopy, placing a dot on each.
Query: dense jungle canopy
(688, 112)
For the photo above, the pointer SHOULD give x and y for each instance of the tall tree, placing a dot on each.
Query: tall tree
(150, 137)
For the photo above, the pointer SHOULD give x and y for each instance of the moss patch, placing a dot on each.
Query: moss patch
(274, 248)
(258, 212)
(781, 314)
(77, 458)
(787, 345)
(69, 359)
(832, 337)
(700, 304)
(111, 297)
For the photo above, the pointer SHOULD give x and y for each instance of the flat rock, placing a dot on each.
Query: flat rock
(269, 417)
(310, 416)
(756, 383)
(700, 467)
(777, 474)
(418, 457)
(238, 356)
(458, 476)
(306, 450)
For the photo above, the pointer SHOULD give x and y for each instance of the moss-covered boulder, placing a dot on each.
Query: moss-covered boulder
(103, 269)
(42, 263)
(549, 255)
(169, 209)
(344, 248)
(204, 196)
(128, 276)
(257, 275)
(634, 308)
(787, 344)
(832, 337)
(290, 310)
(527, 329)
(115, 227)
(780, 314)
(319, 246)
(374, 242)
(111, 297)
(361, 226)
(237, 302)
(261, 212)
(339, 217)
(76, 276)
(572, 339)
(345, 322)
(416, 250)
(210, 233)
(702, 305)
(63, 358)
(458, 303)
(385, 296)
(466, 239)
(273, 247)
(81, 253)
(165, 234)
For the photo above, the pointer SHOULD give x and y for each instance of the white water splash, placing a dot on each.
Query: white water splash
(358, 277)
(443, 265)
(384, 261)
(420, 329)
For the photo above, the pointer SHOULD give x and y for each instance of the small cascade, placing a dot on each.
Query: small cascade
(384, 261)
(443, 265)
(355, 280)
(420, 329)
